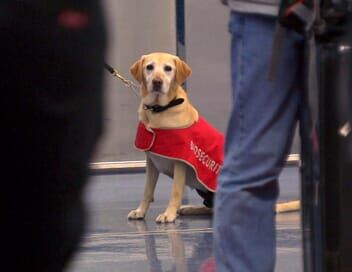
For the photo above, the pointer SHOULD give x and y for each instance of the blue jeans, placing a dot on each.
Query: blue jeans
(258, 139)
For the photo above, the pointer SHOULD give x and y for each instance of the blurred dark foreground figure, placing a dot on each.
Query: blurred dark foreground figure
(51, 56)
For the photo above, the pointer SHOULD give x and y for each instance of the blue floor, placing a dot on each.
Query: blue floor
(113, 243)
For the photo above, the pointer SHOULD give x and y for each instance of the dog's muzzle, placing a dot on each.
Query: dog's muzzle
(157, 85)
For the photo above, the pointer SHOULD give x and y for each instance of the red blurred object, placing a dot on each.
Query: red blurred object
(208, 266)
(73, 19)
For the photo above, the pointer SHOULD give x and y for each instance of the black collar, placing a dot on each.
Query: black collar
(158, 108)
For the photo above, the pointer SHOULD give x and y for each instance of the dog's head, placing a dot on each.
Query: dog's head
(159, 74)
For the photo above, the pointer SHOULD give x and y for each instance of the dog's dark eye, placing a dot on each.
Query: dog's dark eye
(150, 67)
(167, 68)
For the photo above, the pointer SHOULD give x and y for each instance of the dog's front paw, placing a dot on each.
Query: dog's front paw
(136, 214)
(166, 217)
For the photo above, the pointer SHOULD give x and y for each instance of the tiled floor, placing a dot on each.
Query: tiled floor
(112, 243)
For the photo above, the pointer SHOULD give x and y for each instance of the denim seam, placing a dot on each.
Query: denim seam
(239, 87)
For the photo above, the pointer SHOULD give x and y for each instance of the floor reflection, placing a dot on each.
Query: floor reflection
(187, 249)
(112, 243)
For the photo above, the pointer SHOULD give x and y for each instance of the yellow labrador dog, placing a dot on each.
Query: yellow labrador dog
(164, 104)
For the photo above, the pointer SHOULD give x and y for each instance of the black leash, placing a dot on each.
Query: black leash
(128, 83)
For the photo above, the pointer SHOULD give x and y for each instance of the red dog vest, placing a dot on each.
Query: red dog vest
(200, 146)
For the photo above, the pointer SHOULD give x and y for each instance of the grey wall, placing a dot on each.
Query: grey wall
(137, 27)
(207, 52)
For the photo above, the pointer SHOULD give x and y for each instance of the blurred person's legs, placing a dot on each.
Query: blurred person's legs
(52, 54)
(259, 137)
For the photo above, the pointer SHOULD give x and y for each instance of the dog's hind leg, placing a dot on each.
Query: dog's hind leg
(194, 210)
(205, 209)
(178, 186)
(152, 177)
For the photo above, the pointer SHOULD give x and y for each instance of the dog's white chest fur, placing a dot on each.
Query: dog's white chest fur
(166, 166)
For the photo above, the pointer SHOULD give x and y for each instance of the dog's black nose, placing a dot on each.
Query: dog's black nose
(157, 83)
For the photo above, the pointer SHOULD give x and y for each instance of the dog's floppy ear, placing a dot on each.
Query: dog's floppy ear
(182, 70)
(137, 69)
